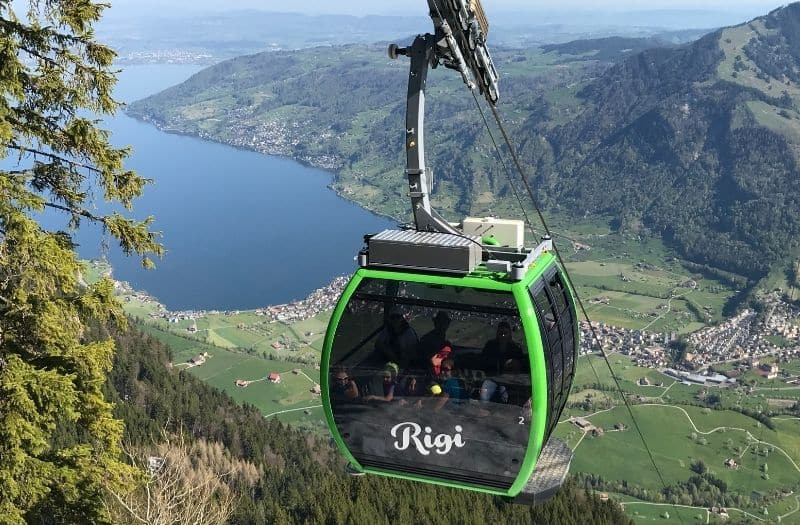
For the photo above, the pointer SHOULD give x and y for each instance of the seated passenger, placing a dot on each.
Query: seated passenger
(499, 350)
(397, 342)
(343, 387)
(438, 358)
(412, 391)
(454, 392)
(434, 340)
(390, 388)
(508, 386)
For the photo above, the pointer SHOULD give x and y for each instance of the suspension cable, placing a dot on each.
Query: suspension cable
(595, 337)
(505, 166)
(516, 194)
(566, 273)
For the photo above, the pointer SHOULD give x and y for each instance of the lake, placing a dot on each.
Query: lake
(241, 229)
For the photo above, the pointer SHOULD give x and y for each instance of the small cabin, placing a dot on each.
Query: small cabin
(274, 377)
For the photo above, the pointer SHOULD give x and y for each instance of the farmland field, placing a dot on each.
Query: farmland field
(289, 400)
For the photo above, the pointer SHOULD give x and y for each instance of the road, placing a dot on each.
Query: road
(291, 410)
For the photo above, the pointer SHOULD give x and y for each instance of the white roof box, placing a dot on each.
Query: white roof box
(506, 232)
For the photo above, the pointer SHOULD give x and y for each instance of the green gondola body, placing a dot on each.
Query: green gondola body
(488, 435)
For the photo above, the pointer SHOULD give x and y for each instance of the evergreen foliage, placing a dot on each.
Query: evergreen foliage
(52, 73)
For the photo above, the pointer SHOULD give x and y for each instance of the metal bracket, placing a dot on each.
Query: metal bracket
(423, 56)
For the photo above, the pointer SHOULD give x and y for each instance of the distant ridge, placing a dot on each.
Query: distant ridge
(607, 49)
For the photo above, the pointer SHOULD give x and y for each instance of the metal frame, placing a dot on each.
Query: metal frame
(459, 43)
(477, 280)
(457, 34)
(423, 56)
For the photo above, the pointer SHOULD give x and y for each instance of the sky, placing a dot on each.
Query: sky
(412, 7)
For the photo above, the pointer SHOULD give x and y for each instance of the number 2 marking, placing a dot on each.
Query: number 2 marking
(521, 420)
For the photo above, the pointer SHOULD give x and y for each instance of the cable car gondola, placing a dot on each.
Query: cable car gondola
(451, 353)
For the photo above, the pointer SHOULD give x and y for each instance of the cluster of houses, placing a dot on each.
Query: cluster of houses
(275, 137)
(318, 301)
(699, 378)
(747, 336)
(646, 349)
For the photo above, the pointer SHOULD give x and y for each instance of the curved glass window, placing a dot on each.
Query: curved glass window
(558, 325)
(433, 380)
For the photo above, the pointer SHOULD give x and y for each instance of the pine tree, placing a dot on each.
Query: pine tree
(59, 442)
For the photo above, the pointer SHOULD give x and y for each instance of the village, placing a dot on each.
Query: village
(743, 341)
(747, 341)
(320, 300)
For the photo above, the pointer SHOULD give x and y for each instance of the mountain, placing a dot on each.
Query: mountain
(696, 143)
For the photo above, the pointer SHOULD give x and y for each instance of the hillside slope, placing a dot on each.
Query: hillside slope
(300, 477)
(697, 149)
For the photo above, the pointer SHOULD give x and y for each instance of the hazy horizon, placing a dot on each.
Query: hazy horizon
(370, 7)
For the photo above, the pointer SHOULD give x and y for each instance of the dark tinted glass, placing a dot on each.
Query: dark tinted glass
(557, 322)
(433, 380)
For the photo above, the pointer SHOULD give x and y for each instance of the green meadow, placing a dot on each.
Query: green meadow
(291, 400)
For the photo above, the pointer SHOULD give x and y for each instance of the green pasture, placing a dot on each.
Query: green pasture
(183, 348)
(138, 309)
(793, 366)
(648, 296)
(788, 437)
(596, 395)
(568, 433)
(770, 117)
(287, 399)
(645, 512)
(92, 271)
(592, 368)
(675, 445)
(248, 331)
(223, 367)
(788, 507)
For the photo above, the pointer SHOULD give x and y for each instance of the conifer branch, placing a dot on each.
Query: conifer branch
(53, 156)
(76, 211)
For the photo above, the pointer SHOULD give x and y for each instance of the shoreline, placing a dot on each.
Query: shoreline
(319, 300)
(332, 173)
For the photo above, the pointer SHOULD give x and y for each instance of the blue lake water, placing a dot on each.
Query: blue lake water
(242, 230)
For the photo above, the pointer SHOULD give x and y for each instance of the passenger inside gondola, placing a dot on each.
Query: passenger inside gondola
(506, 387)
(454, 391)
(497, 351)
(388, 388)
(412, 391)
(344, 388)
(396, 343)
(438, 358)
(435, 340)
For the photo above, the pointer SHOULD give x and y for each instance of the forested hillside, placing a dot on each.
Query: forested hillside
(697, 144)
(300, 476)
(668, 141)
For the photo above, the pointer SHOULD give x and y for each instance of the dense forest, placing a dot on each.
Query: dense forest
(694, 143)
(301, 477)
